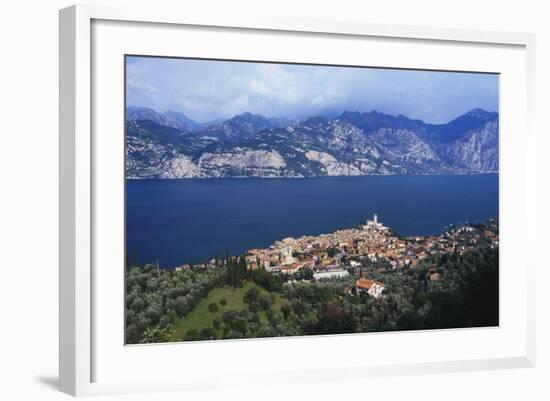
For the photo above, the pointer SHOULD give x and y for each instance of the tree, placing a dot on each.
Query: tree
(226, 257)
(267, 280)
(153, 314)
(265, 301)
(252, 295)
(213, 307)
(164, 321)
(181, 306)
(192, 335)
(285, 309)
(154, 301)
(207, 334)
(157, 335)
(242, 267)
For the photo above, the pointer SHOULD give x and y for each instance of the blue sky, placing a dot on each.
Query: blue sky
(207, 90)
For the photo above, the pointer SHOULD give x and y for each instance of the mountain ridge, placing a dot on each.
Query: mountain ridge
(354, 143)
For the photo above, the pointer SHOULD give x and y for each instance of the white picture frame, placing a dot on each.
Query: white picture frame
(80, 344)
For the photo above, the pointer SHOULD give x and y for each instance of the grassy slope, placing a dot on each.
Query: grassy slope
(200, 317)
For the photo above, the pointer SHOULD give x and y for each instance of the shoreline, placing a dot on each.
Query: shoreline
(385, 231)
(239, 178)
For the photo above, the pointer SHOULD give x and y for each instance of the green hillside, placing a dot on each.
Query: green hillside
(201, 318)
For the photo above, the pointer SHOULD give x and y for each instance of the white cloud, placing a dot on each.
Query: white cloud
(236, 106)
(206, 90)
(318, 100)
(260, 87)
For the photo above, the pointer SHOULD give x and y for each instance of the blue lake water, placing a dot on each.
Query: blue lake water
(175, 221)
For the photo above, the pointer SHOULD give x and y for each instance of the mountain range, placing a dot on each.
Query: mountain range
(171, 145)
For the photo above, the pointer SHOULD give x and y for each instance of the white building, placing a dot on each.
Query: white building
(330, 274)
(286, 256)
(374, 224)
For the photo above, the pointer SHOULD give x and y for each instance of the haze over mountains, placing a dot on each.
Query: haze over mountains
(170, 145)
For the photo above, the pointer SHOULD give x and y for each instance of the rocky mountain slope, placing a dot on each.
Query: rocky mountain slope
(355, 143)
(169, 118)
(240, 127)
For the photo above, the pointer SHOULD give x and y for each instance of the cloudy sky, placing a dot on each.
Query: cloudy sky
(207, 90)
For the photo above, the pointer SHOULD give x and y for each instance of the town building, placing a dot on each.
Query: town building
(374, 224)
(373, 288)
(328, 274)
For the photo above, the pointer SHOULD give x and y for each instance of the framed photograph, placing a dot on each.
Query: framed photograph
(290, 200)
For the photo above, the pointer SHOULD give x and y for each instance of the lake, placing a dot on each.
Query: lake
(175, 221)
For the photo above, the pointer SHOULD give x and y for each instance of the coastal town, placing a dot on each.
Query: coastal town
(346, 252)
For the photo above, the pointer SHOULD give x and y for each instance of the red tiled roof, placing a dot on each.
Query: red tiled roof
(366, 283)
